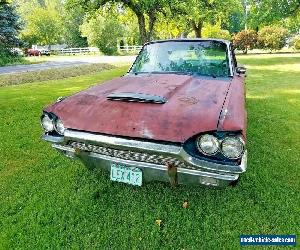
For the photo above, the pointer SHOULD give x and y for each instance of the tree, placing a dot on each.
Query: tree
(245, 40)
(10, 26)
(146, 12)
(167, 26)
(198, 12)
(102, 31)
(266, 12)
(292, 23)
(130, 25)
(215, 31)
(236, 22)
(272, 37)
(72, 20)
(43, 26)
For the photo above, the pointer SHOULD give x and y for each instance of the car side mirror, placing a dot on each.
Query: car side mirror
(241, 70)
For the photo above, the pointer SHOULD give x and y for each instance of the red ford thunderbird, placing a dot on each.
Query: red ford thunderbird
(178, 115)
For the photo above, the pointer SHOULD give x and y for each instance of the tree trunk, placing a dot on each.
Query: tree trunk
(198, 33)
(142, 28)
(197, 27)
(152, 19)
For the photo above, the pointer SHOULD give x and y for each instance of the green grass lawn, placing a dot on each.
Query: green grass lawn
(49, 201)
(52, 74)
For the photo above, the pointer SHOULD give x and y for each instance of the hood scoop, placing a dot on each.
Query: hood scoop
(136, 97)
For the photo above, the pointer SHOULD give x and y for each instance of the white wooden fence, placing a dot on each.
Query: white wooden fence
(72, 51)
(60, 50)
(130, 49)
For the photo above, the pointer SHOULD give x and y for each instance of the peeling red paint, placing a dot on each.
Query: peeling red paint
(233, 115)
(193, 106)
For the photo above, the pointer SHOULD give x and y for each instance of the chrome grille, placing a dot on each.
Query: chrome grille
(131, 155)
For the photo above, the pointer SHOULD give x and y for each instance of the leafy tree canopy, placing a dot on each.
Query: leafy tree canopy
(197, 12)
(72, 20)
(44, 27)
(264, 12)
(215, 31)
(10, 25)
(103, 29)
(146, 11)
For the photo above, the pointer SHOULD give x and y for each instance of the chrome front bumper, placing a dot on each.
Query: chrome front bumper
(101, 151)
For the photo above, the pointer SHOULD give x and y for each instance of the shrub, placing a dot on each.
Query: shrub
(7, 57)
(272, 37)
(245, 40)
(215, 31)
(296, 42)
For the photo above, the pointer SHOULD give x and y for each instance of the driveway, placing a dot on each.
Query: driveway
(66, 61)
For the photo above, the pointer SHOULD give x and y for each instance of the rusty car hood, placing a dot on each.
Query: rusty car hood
(192, 105)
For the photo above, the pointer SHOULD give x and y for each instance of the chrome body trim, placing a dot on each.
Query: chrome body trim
(151, 147)
(119, 142)
(151, 171)
(53, 139)
(231, 66)
(224, 174)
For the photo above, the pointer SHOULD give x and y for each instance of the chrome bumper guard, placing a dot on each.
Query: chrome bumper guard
(145, 155)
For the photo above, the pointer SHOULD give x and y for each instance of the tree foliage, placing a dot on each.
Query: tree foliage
(292, 23)
(44, 27)
(266, 12)
(169, 27)
(198, 12)
(296, 42)
(73, 19)
(245, 40)
(236, 21)
(10, 25)
(215, 31)
(102, 31)
(272, 37)
(138, 21)
(146, 12)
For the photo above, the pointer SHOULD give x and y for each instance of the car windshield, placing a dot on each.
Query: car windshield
(183, 57)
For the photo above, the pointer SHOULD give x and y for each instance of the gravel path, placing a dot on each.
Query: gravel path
(59, 62)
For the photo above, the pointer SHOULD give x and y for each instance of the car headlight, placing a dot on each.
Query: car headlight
(59, 127)
(47, 123)
(208, 144)
(232, 147)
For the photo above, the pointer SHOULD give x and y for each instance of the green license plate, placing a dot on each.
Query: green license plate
(126, 174)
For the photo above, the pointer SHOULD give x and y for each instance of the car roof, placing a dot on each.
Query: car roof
(189, 40)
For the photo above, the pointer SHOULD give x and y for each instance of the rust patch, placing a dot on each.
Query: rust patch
(188, 100)
(192, 108)
(86, 99)
(172, 87)
(172, 172)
